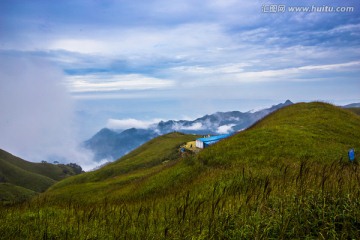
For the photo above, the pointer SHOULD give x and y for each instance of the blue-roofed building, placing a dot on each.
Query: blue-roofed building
(207, 141)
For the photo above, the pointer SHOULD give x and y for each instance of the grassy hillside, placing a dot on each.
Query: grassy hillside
(128, 172)
(10, 173)
(307, 131)
(55, 172)
(21, 179)
(355, 110)
(315, 132)
(11, 193)
(286, 177)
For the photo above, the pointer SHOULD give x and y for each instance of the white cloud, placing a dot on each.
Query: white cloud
(79, 45)
(219, 69)
(106, 83)
(140, 43)
(224, 129)
(193, 127)
(231, 73)
(130, 123)
(353, 28)
(290, 74)
(92, 166)
(338, 66)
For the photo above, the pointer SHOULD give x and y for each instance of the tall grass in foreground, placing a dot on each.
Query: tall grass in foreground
(305, 200)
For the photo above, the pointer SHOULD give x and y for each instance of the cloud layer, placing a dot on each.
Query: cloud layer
(157, 48)
(37, 118)
(123, 124)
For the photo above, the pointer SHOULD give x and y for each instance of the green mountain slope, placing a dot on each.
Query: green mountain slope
(10, 173)
(55, 172)
(355, 110)
(21, 179)
(131, 170)
(316, 132)
(10, 193)
(286, 177)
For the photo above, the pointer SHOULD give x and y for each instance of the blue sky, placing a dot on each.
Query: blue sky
(120, 59)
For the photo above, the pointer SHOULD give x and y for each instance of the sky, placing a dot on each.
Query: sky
(71, 67)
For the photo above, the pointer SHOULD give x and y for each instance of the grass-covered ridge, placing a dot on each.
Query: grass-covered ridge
(306, 131)
(316, 132)
(21, 179)
(355, 110)
(124, 176)
(286, 177)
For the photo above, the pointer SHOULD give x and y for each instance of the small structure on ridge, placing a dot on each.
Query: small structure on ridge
(207, 141)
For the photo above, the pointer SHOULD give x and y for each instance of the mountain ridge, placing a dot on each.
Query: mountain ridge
(314, 133)
(111, 144)
(287, 177)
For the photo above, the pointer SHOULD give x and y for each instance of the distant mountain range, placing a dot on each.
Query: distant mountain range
(111, 144)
